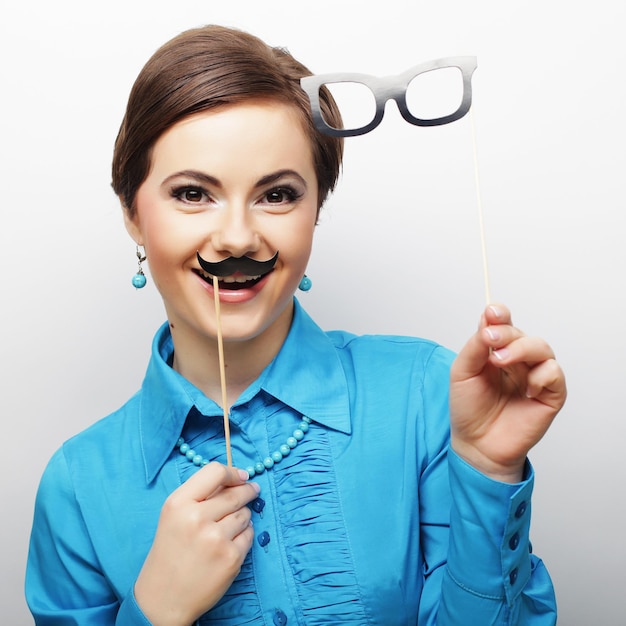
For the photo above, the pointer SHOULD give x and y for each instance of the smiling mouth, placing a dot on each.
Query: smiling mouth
(235, 282)
(235, 273)
(234, 266)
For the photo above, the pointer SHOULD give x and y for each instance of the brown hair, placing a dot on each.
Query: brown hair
(204, 68)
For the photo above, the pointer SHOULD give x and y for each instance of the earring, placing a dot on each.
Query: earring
(139, 279)
(305, 284)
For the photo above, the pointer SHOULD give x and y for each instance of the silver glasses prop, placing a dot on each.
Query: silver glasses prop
(397, 88)
(390, 88)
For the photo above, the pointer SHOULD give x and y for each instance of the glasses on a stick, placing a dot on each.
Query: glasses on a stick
(429, 94)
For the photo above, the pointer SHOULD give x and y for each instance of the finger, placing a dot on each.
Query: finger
(499, 336)
(474, 355)
(235, 523)
(513, 347)
(497, 313)
(209, 479)
(229, 500)
(546, 382)
(243, 541)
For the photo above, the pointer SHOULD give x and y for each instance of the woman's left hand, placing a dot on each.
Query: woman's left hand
(505, 390)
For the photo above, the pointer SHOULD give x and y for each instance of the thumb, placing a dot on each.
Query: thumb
(472, 358)
(211, 478)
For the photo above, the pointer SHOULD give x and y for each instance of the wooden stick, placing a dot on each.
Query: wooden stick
(479, 204)
(220, 349)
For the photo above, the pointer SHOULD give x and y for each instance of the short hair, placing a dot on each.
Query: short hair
(204, 68)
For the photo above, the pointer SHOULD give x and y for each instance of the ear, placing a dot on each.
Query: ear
(133, 226)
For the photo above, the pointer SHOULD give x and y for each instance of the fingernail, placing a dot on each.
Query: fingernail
(494, 335)
(501, 354)
(256, 487)
(495, 310)
(243, 474)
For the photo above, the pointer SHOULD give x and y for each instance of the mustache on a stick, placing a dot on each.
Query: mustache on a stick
(242, 264)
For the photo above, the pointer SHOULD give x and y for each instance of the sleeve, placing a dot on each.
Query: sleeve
(479, 567)
(64, 582)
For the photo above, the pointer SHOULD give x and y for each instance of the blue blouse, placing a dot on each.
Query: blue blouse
(370, 519)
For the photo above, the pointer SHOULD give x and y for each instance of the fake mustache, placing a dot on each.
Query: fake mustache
(242, 264)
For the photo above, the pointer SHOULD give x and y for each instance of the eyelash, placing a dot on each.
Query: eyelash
(289, 194)
(292, 195)
(179, 192)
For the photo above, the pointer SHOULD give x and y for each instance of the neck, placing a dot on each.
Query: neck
(197, 359)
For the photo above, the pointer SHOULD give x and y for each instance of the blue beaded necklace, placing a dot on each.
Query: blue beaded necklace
(258, 468)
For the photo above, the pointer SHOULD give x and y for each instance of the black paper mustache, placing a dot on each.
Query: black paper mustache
(242, 264)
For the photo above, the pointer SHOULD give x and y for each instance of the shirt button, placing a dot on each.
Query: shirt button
(263, 539)
(521, 509)
(513, 576)
(514, 541)
(280, 619)
(258, 505)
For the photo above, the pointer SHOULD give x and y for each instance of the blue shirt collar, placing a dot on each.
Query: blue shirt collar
(306, 375)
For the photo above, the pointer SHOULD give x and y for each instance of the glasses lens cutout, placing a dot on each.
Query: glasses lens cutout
(356, 103)
(435, 94)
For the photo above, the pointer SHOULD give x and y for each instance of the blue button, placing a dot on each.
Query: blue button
(263, 538)
(514, 541)
(258, 505)
(280, 619)
(521, 509)
(513, 576)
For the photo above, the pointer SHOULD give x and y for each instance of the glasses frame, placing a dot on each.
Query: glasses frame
(390, 88)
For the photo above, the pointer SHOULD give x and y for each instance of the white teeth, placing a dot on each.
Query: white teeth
(239, 279)
(230, 279)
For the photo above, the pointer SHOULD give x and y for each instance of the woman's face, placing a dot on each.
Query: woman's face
(227, 183)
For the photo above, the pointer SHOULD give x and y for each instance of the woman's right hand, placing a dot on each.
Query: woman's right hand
(203, 536)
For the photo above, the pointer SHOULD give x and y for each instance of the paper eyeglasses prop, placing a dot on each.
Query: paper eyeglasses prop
(396, 88)
(390, 88)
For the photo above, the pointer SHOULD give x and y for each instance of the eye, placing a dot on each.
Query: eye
(281, 195)
(190, 194)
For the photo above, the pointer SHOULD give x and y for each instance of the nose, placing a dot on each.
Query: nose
(235, 233)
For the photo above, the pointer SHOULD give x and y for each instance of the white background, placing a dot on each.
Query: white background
(549, 110)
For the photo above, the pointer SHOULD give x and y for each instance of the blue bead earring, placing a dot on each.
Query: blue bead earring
(139, 279)
(305, 284)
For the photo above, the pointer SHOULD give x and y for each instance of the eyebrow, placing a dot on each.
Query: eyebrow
(272, 178)
(211, 180)
(195, 174)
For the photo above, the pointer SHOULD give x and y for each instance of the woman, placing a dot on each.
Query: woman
(390, 479)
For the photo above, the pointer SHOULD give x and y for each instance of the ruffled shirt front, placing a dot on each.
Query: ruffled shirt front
(370, 519)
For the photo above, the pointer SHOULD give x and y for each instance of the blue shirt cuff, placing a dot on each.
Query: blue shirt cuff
(130, 614)
(489, 551)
